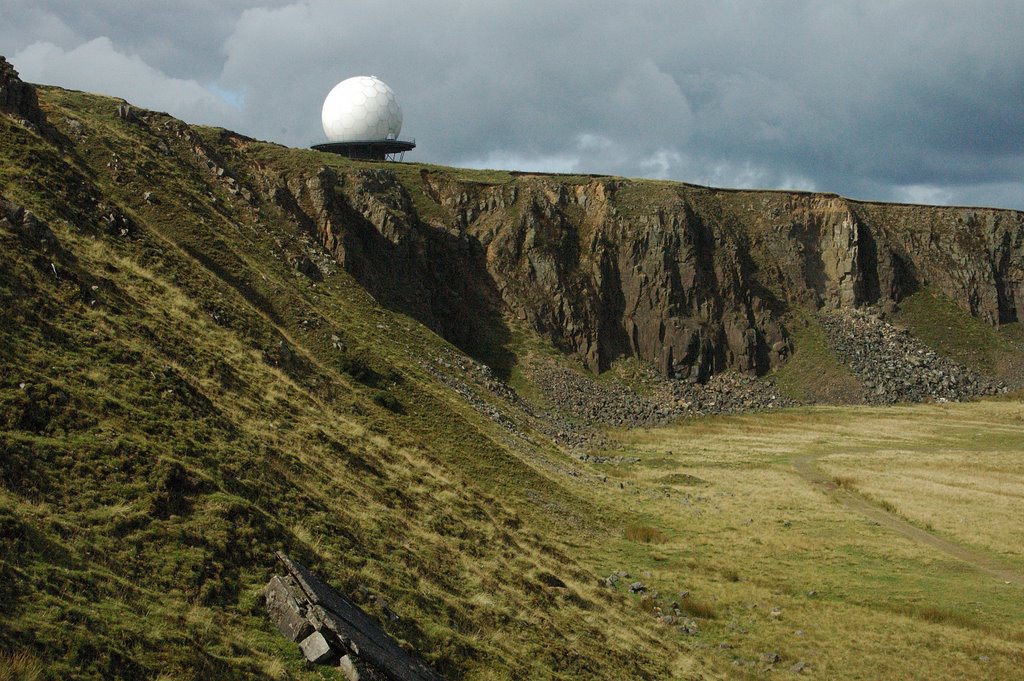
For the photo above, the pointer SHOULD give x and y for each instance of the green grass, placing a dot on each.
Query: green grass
(20, 666)
(953, 332)
(813, 373)
(764, 554)
(213, 406)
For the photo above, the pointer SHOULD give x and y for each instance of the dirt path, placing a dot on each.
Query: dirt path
(806, 468)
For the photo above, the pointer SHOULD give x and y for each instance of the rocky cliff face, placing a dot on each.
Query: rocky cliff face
(692, 279)
(17, 97)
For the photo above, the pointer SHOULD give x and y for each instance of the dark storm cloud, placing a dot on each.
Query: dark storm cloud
(180, 38)
(904, 99)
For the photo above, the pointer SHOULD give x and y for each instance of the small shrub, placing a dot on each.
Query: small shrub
(385, 399)
(847, 482)
(549, 579)
(357, 365)
(937, 615)
(941, 616)
(888, 506)
(647, 603)
(682, 479)
(173, 489)
(644, 534)
(731, 575)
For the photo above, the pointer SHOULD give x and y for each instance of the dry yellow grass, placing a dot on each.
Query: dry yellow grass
(787, 570)
(20, 666)
(972, 492)
(645, 534)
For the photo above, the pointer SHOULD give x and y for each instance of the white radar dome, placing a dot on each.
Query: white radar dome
(361, 109)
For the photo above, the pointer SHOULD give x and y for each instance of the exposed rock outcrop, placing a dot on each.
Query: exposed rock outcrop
(694, 280)
(664, 287)
(35, 233)
(331, 629)
(18, 97)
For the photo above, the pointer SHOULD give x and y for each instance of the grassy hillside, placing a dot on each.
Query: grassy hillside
(190, 382)
(814, 374)
(179, 401)
(952, 332)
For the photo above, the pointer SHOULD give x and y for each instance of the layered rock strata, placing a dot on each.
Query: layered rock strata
(691, 279)
(17, 97)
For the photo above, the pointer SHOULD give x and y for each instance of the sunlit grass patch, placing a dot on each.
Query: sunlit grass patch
(814, 373)
(644, 534)
(20, 666)
(697, 607)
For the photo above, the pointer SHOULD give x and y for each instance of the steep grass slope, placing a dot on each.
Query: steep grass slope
(179, 400)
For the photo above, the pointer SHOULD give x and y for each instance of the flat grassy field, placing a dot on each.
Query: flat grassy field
(757, 517)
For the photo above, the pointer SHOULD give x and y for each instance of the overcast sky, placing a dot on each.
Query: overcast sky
(906, 100)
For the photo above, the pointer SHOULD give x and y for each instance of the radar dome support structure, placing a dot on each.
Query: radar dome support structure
(362, 119)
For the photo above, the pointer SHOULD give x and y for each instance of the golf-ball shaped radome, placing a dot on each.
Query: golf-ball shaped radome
(361, 109)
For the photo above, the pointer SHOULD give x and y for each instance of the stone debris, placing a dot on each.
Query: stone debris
(659, 400)
(609, 459)
(317, 649)
(33, 232)
(353, 669)
(474, 381)
(894, 366)
(285, 611)
(331, 629)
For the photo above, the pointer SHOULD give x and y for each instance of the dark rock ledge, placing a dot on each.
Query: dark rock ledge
(331, 629)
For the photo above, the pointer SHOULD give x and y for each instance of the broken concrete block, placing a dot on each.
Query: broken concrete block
(316, 648)
(285, 611)
(343, 629)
